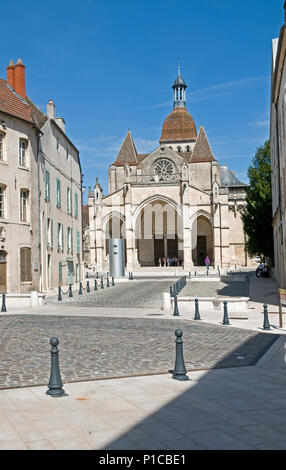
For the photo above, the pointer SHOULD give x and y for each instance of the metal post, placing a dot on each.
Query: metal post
(96, 275)
(70, 291)
(87, 287)
(55, 383)
(197, 312)
(95, 284)
(80, 289)
(3, 308)
(176, 310)
(107, 282)
(266, 324)
(113, 283)
(59, 294)
(225, 315)
(180, 371)
(101, 283)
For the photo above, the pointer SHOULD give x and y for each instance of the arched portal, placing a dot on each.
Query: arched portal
(114, 228)
(202, 240)
(159, 238)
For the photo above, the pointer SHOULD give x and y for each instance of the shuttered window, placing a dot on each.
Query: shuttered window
(58, 194)
(78, 242)
(60, 272)
(76, 205)
(47, 186)
(25, 265)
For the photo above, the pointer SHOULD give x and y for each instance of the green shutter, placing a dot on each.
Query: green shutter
(47, 231)
(71, 200)
(71, 240)
(52, 234)
(62, 237)
(76, 204)
(58, 235)
(58, 194)
(78, 242)
(68, 247)
(60, 272)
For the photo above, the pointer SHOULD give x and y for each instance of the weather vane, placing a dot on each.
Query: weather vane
(179, 68)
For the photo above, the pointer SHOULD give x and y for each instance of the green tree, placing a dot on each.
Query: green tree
(257, 216)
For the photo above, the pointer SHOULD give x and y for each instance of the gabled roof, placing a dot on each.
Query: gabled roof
(11, 103)
(14, 105)
(127, 153)
(202, 150)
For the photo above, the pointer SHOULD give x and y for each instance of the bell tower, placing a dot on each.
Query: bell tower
(179, 88)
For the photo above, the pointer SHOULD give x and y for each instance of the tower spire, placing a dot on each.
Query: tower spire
(179, 88)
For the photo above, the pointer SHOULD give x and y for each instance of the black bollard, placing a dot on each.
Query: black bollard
(55, 383)
(101, 284)
(132, 278)
(266, 324)
(195, 273)
(87, 287)
(80, 289)
(176, 310)
(59, 294)
(180, 371)
(112, 282)
(197, 312)
(70, 291)
(225, 314)
(107, 282)
(3, 308)
(95, 284)
(96, 275)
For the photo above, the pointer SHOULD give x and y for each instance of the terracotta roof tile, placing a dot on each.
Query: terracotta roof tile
(13, 104)
(202, 151)
(178, 126)
(127, 153)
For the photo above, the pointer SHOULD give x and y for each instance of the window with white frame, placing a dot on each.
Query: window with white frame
(49, 233)
(24, 205)
(23, 145)
(60, 237)
(69, 201)
(2, 145)
(2, 201)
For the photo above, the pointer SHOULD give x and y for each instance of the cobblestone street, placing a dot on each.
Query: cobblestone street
(95, 347)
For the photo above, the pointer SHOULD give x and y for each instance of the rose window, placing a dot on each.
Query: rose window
(164, 169)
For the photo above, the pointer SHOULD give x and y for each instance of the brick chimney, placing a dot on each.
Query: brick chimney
(16, 77)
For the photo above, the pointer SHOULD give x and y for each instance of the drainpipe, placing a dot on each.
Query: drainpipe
(39, 213)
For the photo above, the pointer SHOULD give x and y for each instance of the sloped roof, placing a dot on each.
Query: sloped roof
(229, 179)
(178, 126)
(202, 150)
(11, 103)
(127, 153)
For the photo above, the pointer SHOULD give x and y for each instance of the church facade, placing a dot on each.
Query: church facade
(175, 206)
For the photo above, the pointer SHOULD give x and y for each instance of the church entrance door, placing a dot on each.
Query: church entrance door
(158, 250)
(201, 250)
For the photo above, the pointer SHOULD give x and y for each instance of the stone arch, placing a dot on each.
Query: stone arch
(158, 234)
(113, 226)
(202, 237)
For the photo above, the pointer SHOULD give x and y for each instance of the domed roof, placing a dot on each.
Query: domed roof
(178, 126)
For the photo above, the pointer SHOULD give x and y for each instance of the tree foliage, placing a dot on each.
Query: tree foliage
(257, 216)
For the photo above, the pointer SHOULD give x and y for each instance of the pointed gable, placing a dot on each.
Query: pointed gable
(127, 153)
(202, 150)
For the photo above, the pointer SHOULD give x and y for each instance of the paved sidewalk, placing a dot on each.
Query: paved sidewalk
(224, 409)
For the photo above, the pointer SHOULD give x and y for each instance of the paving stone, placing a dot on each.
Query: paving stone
(99, 347)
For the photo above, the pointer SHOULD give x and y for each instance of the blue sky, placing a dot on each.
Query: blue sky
(109, 67)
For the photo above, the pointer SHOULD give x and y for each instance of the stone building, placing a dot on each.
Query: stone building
(174, 206)
(278, 153)
(40, 193)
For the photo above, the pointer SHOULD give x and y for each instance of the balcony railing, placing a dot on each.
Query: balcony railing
(147, 179)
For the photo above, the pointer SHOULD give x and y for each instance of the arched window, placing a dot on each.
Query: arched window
(188, 148)
(179, 149)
